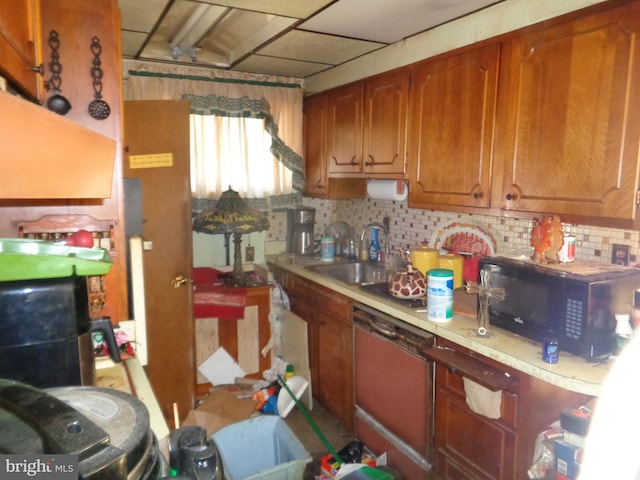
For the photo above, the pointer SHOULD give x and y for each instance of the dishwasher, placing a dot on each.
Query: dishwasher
(393, 390)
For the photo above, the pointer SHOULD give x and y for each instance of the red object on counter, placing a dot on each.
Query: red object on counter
(471, 269)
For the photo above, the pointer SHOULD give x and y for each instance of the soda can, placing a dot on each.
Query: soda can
(567, 252)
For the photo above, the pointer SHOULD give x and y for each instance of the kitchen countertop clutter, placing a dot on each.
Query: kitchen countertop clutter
(571, 372)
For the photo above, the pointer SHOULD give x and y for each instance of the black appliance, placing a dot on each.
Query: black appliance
(109, 431)
(575, 301)
(46, 332)
(193, 455)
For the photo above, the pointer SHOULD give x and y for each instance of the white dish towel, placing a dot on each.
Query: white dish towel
(481, 400)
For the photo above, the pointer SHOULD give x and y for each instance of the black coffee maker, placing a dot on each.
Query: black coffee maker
(46, 332)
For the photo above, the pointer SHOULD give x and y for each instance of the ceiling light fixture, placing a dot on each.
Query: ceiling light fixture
(178, 51)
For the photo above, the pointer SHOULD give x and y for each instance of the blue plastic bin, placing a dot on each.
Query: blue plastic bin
(261, 448)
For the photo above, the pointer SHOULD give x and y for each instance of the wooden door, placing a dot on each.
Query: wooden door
(569, 117)
(385, 122)
(160, 130)
(453, 101)
(344, 129)
(315, 136)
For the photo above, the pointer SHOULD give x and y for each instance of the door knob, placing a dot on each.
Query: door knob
(179, 281)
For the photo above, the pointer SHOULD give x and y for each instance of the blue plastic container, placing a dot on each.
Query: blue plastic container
(261, 448)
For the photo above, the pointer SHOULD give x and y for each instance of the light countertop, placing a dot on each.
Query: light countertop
(571, 372)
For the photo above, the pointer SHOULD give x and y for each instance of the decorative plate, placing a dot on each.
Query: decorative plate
(465, 238)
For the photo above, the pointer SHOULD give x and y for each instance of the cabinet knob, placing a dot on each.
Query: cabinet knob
(370, 162)
(511, 196)
(353, 161)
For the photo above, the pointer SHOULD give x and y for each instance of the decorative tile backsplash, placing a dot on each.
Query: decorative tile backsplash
(410, 227)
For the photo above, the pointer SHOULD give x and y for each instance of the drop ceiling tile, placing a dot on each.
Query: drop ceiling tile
(139, 16)
(389, 21)
(286, 8)
(279, 66)
(132, 43)
(311, 46)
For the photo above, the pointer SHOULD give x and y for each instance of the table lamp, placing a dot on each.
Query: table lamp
(231, 215)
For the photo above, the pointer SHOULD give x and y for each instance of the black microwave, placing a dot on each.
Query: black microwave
(576, 302)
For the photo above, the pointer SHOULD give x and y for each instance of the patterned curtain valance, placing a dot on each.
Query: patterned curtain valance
(252, 108)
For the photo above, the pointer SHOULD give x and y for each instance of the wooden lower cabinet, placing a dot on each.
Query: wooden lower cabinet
(472, 446)
(330, 336)
(466, 444)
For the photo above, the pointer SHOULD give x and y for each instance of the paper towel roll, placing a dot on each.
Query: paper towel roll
(388, 190)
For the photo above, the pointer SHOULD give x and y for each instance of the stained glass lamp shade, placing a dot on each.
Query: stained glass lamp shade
(231, 215)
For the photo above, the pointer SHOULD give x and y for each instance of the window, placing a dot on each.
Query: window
(231, 151)
(234, 143)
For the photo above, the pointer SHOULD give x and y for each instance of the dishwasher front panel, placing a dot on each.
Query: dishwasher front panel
(394, 387)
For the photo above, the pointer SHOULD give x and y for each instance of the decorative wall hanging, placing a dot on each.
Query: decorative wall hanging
(98, 108)
(56, 103)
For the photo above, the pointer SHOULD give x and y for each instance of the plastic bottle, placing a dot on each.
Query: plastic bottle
(374, 247)
(289, 372)
(550, 349)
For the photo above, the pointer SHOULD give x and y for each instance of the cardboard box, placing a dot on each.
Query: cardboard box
(225, 405)
(567, 459)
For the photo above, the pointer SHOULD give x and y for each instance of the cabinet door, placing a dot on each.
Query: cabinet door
(315, 151)
(569, 117)
(335, 365)
(19, 44)
(453, 103)
(385, 121)
(344, 129)
(469, 445)
(333, 332)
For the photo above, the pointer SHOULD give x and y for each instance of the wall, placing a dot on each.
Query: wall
(410, 227)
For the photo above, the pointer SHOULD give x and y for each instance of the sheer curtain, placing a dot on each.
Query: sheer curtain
(227, 151)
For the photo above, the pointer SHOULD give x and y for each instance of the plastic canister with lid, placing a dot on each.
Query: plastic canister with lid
(453, 262)
(440, 295)
(327, 249)
(424, 259)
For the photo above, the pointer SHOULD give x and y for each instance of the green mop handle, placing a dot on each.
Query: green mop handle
(310, 420)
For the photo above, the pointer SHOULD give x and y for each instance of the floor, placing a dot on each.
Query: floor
(334, 433)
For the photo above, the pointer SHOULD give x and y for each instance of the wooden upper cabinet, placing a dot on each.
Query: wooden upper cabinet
(344, 129)
(366, 131)
(569, 117)
(453, 102)
(20, 46)
(315, 150)
(385, 122)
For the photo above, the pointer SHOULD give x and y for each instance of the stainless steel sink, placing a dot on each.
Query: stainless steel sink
(352, 273)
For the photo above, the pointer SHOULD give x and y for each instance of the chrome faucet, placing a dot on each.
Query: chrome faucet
(384, 228)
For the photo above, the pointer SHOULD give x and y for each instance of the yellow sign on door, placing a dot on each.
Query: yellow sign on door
(153, 160)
